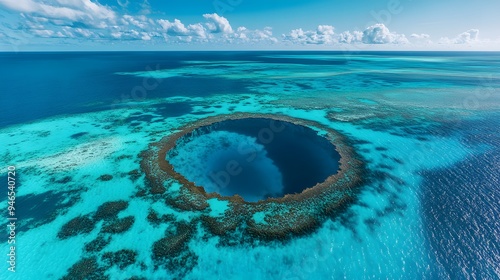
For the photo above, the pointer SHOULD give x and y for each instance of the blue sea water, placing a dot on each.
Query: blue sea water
(426, 124)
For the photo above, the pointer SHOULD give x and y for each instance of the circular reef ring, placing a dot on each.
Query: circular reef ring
(277, 218)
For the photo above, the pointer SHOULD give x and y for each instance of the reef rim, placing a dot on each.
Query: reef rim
(283, 216)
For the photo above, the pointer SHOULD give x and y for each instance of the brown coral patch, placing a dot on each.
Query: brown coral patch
(105, 177)
(118, 225)
(172, 245)
(78, 225)
(87, 268)
(97, 244)
(109, 210)
(121, 258)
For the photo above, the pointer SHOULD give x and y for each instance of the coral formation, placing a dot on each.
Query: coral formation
(109, 210)
(87, 268)
(290, 215)
(118, 225)
(105, 177)
(121, 258)
(78, 225)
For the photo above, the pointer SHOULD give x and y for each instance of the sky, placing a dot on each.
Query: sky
(92, 25)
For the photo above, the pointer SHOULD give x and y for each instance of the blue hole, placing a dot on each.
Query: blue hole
(256, 158)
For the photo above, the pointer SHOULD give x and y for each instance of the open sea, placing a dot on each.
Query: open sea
(426, 125)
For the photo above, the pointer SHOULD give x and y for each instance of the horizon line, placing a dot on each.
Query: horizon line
(270, 50)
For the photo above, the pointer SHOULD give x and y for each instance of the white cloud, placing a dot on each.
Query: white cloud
(177, 28)
(145, 36)
(83, 32)
(198, 30)
(216, 29)
(133, 35)
(347, 37)
(88, 19)
(380, 34)
(218, 24)
(468, 37)
(420, 36)
(140, 21)
(244, 35)
(116, 34)
(324, 34)
(43, 32)
(46, 33)
(85, 11)
(420, 39)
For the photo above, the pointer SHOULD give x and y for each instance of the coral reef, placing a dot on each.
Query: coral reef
(118, 225)
(87, 268)
(172, 251)
(287, 216)
(78, 225)
(109, 210)
(121, 258)
(105, 177)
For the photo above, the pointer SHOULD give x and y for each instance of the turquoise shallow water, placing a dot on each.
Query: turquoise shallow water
(425, 124)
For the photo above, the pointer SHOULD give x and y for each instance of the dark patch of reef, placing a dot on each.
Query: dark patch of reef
(108, 212)
(110, 209)
(94, 267)
(78, 135)
(121, 258)
(118, 225)
(76, 226)
(96, 261)
(172, 251)
(155, 219)
(87, 268)
(105, 177)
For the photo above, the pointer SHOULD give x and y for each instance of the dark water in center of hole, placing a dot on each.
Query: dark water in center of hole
(302, 156)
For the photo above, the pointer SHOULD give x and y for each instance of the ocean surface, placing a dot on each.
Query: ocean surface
(426, 125)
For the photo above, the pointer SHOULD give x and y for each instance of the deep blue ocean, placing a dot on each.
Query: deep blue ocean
(426, 125)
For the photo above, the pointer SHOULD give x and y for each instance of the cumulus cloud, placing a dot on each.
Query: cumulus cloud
(88, 19)
(133, 35)
(177, 28)
(420, 38)
(348, 37)
(80, 32)
(214, 24)
(324, 34)
(215, 29)
(468, 37)
(244, 35)
(380, 34)
(85, 11)
(218, 24)
(139, 21)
